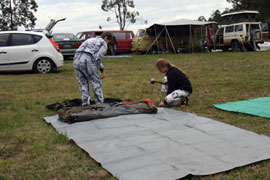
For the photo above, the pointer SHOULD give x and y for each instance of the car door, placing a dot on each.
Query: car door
(239, 33)
(22, 52)
(121, 46)
(220, 38)
(129, 40)
(4, 51)
(229, 35)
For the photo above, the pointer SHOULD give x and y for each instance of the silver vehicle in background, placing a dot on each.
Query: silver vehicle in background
(236, 32)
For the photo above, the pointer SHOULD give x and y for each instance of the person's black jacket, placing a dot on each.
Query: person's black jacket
(177, 80)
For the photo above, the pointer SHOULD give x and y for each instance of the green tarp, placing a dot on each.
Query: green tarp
(257, 107)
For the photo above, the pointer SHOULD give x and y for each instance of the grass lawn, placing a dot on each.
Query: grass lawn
(32, 149)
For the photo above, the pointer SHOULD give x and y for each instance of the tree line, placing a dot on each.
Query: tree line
(15, 13)
(263, 6)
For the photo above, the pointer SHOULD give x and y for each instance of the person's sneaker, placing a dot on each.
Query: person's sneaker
(184, 101)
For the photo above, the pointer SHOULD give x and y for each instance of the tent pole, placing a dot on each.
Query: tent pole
(190, 40)
(154, 41)
(170, 39)
(214, 35)
(157, 39)
(201, 40)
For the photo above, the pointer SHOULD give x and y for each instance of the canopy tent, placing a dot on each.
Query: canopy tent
(182, 33)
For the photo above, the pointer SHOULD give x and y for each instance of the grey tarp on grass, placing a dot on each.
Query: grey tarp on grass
(167, 145)
(257, 107)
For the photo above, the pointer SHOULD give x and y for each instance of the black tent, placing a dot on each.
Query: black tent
(183, 34)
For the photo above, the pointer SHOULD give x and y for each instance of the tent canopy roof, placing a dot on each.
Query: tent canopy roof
(184, 22)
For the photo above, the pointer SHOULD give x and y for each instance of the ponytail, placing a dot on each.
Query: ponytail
(161, 63)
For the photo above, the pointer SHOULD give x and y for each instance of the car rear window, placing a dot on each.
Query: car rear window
(3, 40)
(22, 39)
(61, 37)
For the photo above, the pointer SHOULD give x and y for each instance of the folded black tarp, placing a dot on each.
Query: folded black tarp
(104, 110)
(76, 102)
(71, 111)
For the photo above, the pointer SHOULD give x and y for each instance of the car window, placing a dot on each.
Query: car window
(129, 36)
(83, 37)
(79, 35)
(4, 40)
(229, 29)
(61, 37)
(120, 35)
(265, 27)
(255, 26)
(21, 39)
(37, 38)
(88, 35)
(239, 27)
(140, 33)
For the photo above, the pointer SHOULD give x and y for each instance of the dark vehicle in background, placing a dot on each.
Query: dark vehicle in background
(67, 42)
(123, 39)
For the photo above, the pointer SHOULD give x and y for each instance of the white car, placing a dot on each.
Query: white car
(25, 50)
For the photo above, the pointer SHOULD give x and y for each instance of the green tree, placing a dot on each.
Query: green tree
(201, 18)
(120, 8)
(215, 16)
(243, 4)
(15, 13)
(263, 6)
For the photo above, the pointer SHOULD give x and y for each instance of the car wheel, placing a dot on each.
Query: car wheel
(235, 46)
(43, 66)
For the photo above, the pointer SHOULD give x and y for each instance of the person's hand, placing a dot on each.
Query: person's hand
(161, 104)
(102, 75)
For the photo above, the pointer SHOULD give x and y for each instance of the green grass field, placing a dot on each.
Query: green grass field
(32, 149)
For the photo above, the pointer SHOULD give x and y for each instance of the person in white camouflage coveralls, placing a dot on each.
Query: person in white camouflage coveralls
(87, 60)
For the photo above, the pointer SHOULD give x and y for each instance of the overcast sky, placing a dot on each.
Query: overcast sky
(84, 15)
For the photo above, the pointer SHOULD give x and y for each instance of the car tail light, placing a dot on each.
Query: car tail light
(76, 45)
(56, 46)
(60, 46)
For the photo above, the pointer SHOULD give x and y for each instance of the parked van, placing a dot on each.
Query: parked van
(143, 41)
(237, 36)
(235, 33)
(124, 39)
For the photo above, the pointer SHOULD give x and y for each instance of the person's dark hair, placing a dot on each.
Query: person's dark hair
(107, 34)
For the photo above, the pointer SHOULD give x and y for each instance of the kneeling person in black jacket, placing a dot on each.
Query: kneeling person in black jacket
(178, 84)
